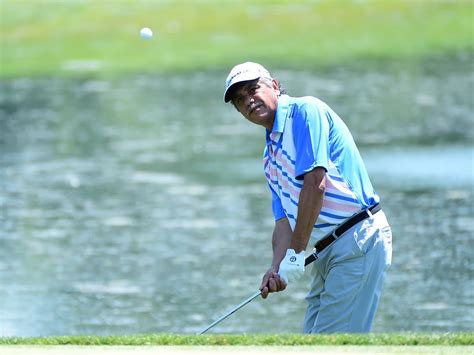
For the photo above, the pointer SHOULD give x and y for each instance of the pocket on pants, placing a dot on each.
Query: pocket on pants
(364, 236)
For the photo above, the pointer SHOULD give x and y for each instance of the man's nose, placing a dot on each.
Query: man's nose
(249, 100)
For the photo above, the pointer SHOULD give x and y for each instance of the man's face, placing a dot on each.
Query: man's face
(257, 101)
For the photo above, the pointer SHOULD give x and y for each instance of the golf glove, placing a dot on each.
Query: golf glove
(292, 266)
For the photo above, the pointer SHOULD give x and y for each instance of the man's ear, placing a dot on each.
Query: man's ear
(276, 85)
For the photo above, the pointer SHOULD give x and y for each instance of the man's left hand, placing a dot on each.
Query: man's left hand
(292, 266)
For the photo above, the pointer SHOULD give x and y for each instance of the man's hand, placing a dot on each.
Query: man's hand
(271, 282)
(292, 266)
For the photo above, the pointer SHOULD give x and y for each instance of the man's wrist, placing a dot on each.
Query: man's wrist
(275, 267)
(297, 246)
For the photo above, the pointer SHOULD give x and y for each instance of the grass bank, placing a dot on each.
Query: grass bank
(65, 37)
(396, 339)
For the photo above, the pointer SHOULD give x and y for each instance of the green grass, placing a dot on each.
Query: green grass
(396, 339)
(62, 37)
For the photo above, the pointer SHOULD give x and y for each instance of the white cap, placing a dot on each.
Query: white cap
(244, 72)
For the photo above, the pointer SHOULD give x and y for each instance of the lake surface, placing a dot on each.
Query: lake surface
(138, 205)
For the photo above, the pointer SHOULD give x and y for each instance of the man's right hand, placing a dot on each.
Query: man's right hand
(271, 282)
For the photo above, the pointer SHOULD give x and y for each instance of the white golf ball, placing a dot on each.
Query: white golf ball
(146, 33)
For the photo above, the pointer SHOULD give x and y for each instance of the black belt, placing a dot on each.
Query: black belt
(344, 227)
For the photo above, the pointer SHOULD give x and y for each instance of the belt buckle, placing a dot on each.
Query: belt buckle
(368, 212)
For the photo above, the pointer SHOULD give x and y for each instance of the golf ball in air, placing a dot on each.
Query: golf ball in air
(146, 33)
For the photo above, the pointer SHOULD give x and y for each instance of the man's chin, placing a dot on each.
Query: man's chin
(259, 115)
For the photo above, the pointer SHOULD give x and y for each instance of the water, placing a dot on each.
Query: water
(139, 205)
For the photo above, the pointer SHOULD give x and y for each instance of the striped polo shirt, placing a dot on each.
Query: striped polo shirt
(307, 134)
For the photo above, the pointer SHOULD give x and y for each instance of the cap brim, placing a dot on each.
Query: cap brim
(239, 79)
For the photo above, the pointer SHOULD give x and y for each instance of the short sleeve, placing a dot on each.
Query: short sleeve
(311, 138)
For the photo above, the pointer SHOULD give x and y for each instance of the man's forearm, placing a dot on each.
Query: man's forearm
(309, 207)
(280, 241)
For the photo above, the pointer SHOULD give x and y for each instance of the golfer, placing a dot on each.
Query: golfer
(322, 198)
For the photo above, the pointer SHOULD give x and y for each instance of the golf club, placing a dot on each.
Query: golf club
(307, 261)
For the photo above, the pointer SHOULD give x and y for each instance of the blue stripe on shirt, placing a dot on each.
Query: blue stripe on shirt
(330, 215)
(344, 198)
(284, 173)
(337, 178)
(324, 225)
(285, 153)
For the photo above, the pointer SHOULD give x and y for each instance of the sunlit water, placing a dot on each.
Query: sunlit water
(139, 205)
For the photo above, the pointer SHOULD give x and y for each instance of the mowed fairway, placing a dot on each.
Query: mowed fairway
(237, 350)
(63, 37)
(408, 343)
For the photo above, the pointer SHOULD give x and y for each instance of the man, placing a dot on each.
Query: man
(320, 193)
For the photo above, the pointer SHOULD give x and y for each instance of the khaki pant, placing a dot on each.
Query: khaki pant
(347, 279)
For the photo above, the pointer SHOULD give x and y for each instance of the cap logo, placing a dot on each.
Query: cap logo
(233, 76)
(239, 73)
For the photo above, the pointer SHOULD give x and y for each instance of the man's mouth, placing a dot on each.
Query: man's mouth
(254, 107)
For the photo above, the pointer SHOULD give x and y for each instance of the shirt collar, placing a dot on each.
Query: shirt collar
(280, 115)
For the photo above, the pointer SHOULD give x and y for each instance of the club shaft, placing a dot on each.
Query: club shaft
(308, 261)
(233, 310)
